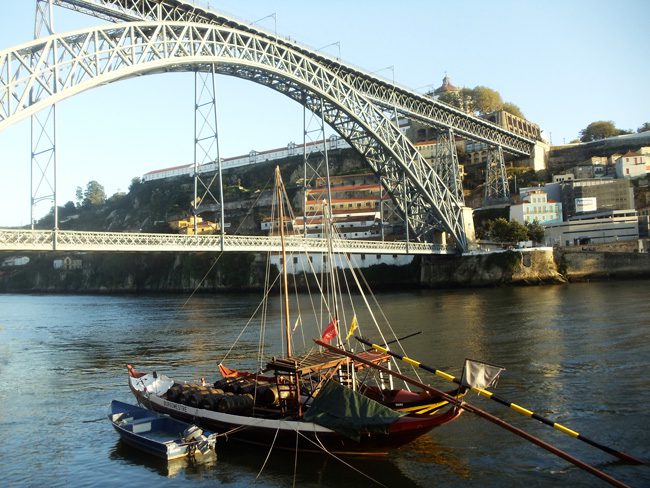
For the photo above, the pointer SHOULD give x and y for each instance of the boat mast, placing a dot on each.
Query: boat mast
(285, 281)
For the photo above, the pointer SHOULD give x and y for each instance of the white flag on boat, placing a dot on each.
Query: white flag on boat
(477, 374)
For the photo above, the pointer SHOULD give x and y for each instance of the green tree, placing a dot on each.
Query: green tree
(501, 230)
(535, 231)
(600, 129)
(513, 109)
(79, 196)
(451, 98)
(486, 100)
(135, 183)
(644, 128)
(94, 194)
(480, 99)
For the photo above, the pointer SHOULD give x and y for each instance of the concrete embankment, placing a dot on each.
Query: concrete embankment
(585, 265)
(169, 272)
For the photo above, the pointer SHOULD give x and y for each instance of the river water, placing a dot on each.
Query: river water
(577, 353)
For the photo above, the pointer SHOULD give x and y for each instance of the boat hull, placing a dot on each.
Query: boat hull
(289, 434)
(152, 433)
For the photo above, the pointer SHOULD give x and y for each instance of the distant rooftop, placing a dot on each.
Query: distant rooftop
(446, 87)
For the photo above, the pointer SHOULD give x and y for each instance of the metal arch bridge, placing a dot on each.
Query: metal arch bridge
(391, 97)
(45, 71)
(42, 240)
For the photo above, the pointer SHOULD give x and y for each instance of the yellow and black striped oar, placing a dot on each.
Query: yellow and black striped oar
(481, 413)
(517, 408)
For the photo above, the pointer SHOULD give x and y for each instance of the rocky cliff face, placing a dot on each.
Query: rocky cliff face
(503, 268)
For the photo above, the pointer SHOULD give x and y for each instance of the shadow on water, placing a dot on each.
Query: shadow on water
(312, 469)
(242, 465)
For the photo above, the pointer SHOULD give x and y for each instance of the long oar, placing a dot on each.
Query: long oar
(481, 413)
(517, 408)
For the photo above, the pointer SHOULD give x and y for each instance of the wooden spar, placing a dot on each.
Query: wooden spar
(481, 413)
(295, 380)
(285, 282)
(517, 408)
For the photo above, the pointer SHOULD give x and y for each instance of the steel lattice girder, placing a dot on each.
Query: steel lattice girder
(445, 162)
(58, 67)
(496, 178)
(407, 102)
(46, 240)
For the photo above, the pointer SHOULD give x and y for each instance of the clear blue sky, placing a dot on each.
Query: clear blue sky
(564, 63)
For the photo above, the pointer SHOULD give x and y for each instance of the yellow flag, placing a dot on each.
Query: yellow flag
(353, 327)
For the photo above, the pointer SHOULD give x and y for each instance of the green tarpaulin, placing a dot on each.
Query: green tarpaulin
(348, 412)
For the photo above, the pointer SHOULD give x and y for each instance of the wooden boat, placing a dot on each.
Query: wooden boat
(297, 400)
(371, 429)
(160, 435)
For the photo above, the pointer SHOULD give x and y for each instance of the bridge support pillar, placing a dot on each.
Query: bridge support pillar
(208, 181)
(43, 130)
(445, 162)
(496, 179)
(315, 162)
(468, 224)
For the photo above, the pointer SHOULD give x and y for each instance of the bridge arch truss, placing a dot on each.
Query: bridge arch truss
(45, 71)
(392, 97)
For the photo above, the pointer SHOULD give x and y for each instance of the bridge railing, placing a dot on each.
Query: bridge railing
(48, 240)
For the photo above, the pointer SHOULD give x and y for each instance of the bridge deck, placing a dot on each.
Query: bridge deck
(43, 240)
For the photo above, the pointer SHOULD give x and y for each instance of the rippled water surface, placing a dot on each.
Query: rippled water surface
(579, 354)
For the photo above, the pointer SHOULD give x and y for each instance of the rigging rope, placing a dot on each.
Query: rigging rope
(268, 454)
(321, 446)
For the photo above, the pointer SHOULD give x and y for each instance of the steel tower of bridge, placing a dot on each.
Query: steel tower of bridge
(169, 35)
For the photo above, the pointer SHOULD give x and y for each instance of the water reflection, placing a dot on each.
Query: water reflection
(188, 467)
(576, 353)
(426, 451)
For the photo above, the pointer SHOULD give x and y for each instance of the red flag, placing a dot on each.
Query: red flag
(330, 331)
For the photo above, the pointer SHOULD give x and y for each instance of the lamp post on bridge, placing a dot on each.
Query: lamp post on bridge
(337, 44)
(275, 22)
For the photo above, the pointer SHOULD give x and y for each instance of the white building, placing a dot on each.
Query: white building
(536, 207)
(563, 177)
(632, 165)
(14, 261)
(308, 263)
(594, 228)
(254, 157)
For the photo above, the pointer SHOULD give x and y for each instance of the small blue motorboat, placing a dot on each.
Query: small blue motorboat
(157, 434)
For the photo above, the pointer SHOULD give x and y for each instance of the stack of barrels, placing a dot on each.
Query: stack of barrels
(229, 395)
